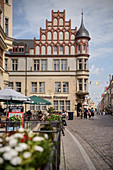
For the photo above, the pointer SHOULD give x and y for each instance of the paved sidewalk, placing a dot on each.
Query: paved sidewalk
(88, 144)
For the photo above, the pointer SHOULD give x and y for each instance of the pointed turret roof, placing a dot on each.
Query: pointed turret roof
(82, 32)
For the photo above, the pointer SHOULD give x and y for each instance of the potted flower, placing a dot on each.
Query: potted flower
(24, 150)
(15, 121)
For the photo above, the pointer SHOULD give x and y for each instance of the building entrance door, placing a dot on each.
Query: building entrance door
(78, 107)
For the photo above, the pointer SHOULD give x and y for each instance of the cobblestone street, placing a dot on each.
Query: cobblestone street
(96, 138)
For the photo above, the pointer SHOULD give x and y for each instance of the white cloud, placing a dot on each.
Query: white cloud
(95, 71)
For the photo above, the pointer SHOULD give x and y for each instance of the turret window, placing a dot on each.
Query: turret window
(84, 47)
(80, 84)
(85, 64)
(80, 64)
(85, 84)
(79, 47)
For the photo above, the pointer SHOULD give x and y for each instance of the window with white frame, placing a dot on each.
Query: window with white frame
(61, 105)
(43, 107)
(63, 65)
(56, 104)
(18, 86)
(58, 87)
(56, 65)
(6, 61)
(14, 64)
(32, 107)
(85, 64)
(85, 84)
(10, 85)
(36, 65)
(67, 105)
(41, 87)
(34, 87)
(65, 87)
(80, 64)
(80, 84)
(37, 107)
(43, 65)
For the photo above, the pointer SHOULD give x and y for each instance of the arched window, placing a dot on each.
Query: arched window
(61, 21)
(37, 50)
(66, 49)
(43, 37)
(55, 48)
(79, 47)
(60, 35)
(55, 35)
(84, 47)
(55, 21)
(49, 35)
(43, 49)
(49, 49)
(67, 35)
(72, 49)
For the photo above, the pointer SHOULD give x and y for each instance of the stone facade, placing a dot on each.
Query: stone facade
(5, 39)
(54, 67)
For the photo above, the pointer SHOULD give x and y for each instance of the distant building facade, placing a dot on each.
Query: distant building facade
(54, 67)
(5, 39)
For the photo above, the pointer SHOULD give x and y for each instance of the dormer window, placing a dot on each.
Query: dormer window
(21, 49)
(15, 49)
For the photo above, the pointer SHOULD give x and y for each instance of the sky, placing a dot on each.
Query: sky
(30, 15)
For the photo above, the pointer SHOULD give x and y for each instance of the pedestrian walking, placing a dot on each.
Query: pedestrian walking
(85, 113)
(89, 114)
(92, 112)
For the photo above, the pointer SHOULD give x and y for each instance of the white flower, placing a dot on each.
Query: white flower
(37, 138)
(2, 150)
(24, 146)
(13, 142)
(16, 161)
(1, 160)
(1, 140)
(46, 136)
(18, 135)
(10, 154)
(21, 130)
(26, 155)
(38, 148)
(19, 149)
(7, 156)
(7, 148)
(13, 152)
(7, 138)
(1, 145)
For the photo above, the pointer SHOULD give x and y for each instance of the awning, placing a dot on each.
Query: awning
(39, 101)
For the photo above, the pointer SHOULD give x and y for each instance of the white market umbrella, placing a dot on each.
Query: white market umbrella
(10, 95)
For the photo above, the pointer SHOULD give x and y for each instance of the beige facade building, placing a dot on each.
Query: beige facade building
(5, 39)
(54, 67)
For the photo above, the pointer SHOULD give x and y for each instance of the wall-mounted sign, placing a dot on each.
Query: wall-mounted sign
(15, 125)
